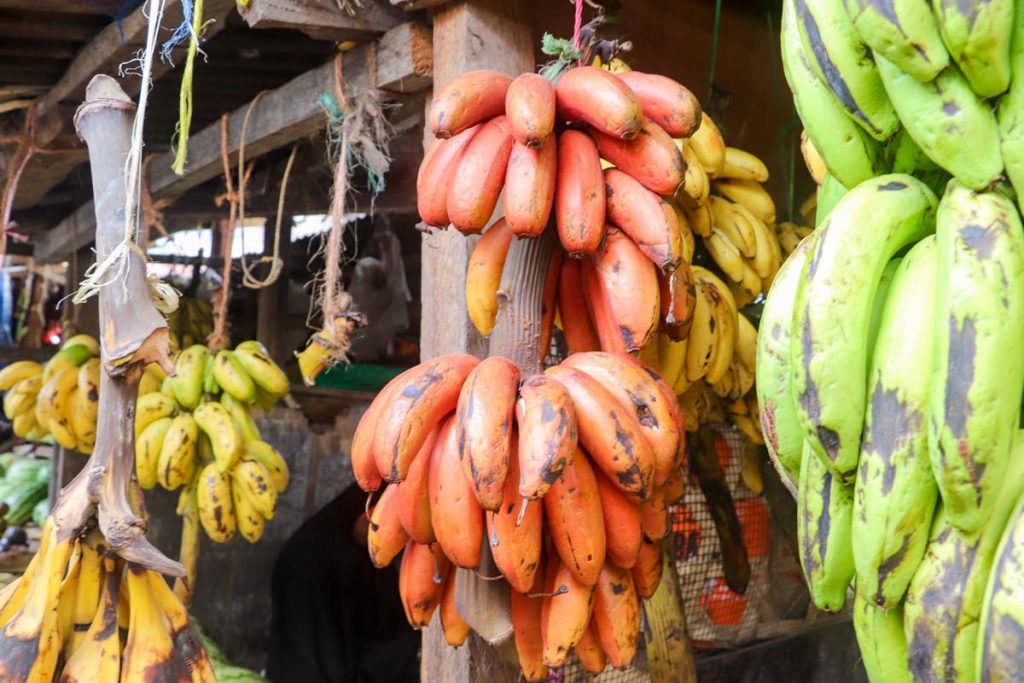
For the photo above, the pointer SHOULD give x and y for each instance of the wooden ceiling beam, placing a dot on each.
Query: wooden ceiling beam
(322, 19)
(281, 117)
(118, 43)
(52, 6)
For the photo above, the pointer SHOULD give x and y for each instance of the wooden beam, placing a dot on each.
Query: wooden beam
(52, 6)
(476, 34)
(118, 43)
(322, 19)
(411, 5)
(280, 118)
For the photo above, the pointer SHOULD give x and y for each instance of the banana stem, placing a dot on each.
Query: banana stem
(134, 334)
(517, 331)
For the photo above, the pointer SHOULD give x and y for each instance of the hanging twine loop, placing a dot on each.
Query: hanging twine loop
(152, 210)
(276, 262)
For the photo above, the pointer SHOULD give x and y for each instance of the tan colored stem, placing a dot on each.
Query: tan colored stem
(133, 333)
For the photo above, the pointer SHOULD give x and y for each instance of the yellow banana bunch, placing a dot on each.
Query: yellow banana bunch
(63, 619)
(59, 398)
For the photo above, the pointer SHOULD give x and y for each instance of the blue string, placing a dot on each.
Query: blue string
(123, 9)
(181, 34)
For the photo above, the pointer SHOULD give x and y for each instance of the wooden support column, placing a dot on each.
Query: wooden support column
(474, 34)
(270, 310)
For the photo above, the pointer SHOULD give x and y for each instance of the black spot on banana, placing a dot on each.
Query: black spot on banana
(976, 393)
(834, 307)
(903, 31)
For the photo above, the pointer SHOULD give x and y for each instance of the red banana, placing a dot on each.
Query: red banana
(468, 99)
(478, 180)
(530, 108)
(596, 97)
(580, 204)
(547, 434)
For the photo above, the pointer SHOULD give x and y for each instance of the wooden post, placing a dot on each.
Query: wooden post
(269, 308)
(473, 34)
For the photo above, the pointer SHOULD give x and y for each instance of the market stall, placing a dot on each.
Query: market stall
(499, 340)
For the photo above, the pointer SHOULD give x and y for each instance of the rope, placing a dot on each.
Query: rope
(152, 210)
(275, 261)
(115, 266)
(218, 338)
(332, 268)
(577, 26)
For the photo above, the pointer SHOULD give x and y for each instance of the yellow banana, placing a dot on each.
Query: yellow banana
(685, 234)
(733, 226)
(216, 422)
(149, 653)
(242, 417)
(216, 509)
(24, 423)
(21, 397)
(695, 181)
(254, 480)
(746, 343)
(18, 371)
(68, 357)
(701, 344)
(724, 311)
(812, 159)
(96, 652)
(671, 358)
(764, 252)
(178, 452)
(742, 165)
(751, 282)
(89, 387)
(152, 407)
(708, 145)
(788, 237)
(148, 446)
(273, 461)
(82, 423)
(725, 254)
(750, 194)
(250, 521)
(699, 219)
(188, 382)
(232, 377)
(265, 373)
(54, 395)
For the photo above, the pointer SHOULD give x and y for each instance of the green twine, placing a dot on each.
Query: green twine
(714, 50)
(185, 94)
(375, 181)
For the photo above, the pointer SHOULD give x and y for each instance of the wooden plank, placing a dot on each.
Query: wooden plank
(45, 28)
(322, 19)
(478, 34)
(411, 5)
(281, 117)
(118, 43)
(52, 6)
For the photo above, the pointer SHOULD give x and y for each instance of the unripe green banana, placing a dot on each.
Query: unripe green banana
(895, 491)
(941, 116)
(1011, 113)
(210, 386)
(848, 151)
(908, 158)
(977, 35)
(902, 31)
(883, 645)
(944, 603)
(1000, 655)
(216, 423)
(979, 320)
(783, 435)
(829, 194)
(824, 523)
(832, 313)
(843, 62)
(178, 453)
(232, 377)
(188, 382)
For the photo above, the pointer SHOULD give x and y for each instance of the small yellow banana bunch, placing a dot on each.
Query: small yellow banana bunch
(59, 398)
(81, 613)
(712, 370)
(190, 322)
(196, 431)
